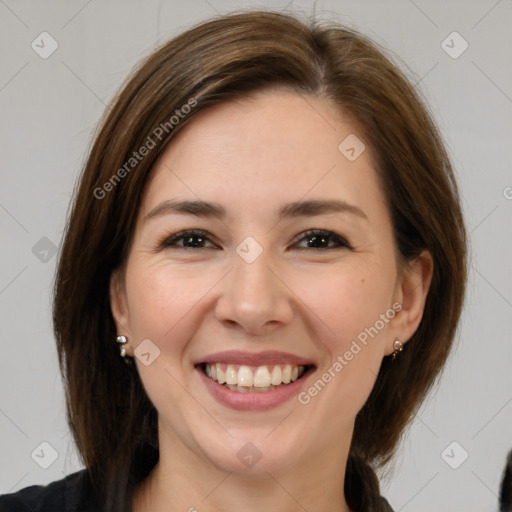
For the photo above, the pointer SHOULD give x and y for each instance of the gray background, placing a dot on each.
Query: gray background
(49, 108)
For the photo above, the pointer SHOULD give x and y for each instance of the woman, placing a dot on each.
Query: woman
(268, 232)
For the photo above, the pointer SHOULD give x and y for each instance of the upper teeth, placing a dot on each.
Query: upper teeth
(261, 377)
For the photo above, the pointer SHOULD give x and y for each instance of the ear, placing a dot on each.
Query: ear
(411, 292)
(119, 304)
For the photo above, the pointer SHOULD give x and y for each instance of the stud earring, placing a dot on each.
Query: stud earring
(398, 348)
(122, 340)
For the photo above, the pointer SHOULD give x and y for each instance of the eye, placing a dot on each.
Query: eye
(321, 239)
(191, 239)
(196, 239)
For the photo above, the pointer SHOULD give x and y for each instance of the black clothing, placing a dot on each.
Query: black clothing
(71, 494)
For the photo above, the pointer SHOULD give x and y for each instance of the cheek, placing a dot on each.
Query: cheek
(349, 304)
(162, 302)
(352, 303)
(346, 300)
(160, 298)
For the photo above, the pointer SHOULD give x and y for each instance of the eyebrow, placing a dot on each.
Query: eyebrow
(290, 210)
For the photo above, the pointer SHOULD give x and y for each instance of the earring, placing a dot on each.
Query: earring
(398, 348)
(122, 340)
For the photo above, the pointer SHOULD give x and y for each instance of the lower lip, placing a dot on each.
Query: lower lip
(257, 401)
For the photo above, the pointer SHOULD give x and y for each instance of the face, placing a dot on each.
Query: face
(292, 263)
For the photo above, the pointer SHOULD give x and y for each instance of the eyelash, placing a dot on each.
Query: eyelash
(170, 242)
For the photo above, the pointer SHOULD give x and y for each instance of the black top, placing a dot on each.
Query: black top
(71, 494)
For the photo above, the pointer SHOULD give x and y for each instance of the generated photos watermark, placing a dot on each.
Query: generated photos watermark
(131, 163)
(343, 360)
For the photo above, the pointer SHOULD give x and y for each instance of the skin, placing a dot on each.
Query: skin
(252, 156)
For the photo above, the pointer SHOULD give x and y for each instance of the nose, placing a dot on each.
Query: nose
(254, 297)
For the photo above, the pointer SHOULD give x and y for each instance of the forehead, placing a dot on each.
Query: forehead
(264, 150)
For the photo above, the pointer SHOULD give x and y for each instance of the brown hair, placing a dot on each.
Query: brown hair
(110, 416)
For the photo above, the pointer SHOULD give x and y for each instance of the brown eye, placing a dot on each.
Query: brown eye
(191, 239)
(321, 239)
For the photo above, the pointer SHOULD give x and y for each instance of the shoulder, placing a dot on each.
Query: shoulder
(71, 494)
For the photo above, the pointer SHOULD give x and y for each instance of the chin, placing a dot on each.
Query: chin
(251, 453)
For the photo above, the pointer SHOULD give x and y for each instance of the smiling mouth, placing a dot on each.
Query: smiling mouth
(254, 379)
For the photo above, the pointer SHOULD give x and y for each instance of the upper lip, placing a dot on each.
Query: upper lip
(254, 359)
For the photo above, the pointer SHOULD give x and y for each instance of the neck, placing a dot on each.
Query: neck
(185, 480)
